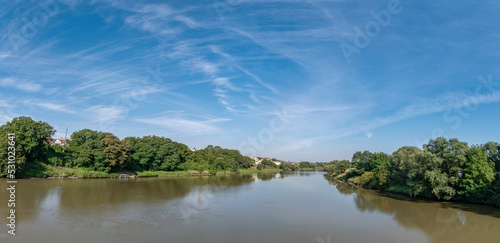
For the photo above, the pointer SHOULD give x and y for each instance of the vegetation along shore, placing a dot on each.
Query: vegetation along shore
(445, 169)
(95, 154)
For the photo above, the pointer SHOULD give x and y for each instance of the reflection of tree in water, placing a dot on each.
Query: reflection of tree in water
(111, 193)
(36, 190)
(343, 188)
(442, 221)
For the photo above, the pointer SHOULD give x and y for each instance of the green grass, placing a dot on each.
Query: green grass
(400, 189)
(257, 170)
(307, 169)
(169, 173)
(57, 171)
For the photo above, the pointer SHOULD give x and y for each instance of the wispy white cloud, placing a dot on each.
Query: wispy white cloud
(233, 62)
(302, 109)
(22, 85)
(201, 65)
(53, 107)
(440, 104)
(187, 21)
(186, 126)
(153, 18)
(109, 114)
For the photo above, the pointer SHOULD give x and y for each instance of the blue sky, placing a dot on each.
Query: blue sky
(296, 80)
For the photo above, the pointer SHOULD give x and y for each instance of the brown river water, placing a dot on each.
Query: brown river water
(282, 207)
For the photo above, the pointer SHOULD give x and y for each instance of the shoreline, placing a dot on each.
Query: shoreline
(407, 197)
(136, 174)
(146, 174)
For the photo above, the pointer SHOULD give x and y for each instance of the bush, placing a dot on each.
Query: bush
(401, 189)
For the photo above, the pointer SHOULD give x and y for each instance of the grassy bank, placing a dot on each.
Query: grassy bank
(50, 171)
(57, 171)
(259, 171)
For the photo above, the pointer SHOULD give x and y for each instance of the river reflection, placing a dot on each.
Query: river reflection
(443, 221)
(263, 207)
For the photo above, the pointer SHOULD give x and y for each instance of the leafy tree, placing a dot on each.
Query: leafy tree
(304, 165)
(361, 160)
(115, 149)
(403, 161)
(87, 150)
(477, 174)
(428, 179)
(29, 140)
(453, 154)
(269, 163)
(261, 166)
(380, 165)
(493, 152)
(157, 153)
(288, 166)
(56, 155)
(337, 167)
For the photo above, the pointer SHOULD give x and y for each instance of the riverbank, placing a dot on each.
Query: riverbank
(58, 172)
(397, 192)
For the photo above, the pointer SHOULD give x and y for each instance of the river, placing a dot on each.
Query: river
(282, 207)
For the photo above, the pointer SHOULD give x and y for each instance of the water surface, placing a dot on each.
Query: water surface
(286, 207)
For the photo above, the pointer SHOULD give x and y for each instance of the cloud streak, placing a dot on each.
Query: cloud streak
(186, 126)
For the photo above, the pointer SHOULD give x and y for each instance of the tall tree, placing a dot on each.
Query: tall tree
(29, 140)
(116, 150)
(493, 153)
(87, 150)
(453, 153)
(361, 160)
(403, 161)
(477, 174)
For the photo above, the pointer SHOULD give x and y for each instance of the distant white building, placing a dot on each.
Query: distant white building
(258, 161)
(60, 141)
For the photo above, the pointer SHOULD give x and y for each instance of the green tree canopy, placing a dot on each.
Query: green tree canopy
(30, 137)
(403, 161)
(116, 150)
(87, 150)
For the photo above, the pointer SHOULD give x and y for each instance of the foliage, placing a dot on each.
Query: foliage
(478, 172)
(403, 161)
(87, 150)
(337, 167)
(261, 166)
(361, 160)
(116, 150)
(493, 152)
(305, 165)
(288, 166)
(269, 163)
(29, 140)
(445, 169)
(380, 164)
(155, 153)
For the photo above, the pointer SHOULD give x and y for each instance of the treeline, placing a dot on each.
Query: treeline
(443, 169)
(104, 152)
